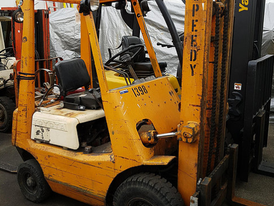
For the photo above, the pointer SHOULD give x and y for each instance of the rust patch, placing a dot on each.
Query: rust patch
(112, 159)
(67, 114)
(80, 189)
(127, 159)
(71, 114)
(193, 105)
(24, 39)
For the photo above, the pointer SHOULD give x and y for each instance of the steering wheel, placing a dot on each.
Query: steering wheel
(9, 53)
(126, 59)
(8, 50)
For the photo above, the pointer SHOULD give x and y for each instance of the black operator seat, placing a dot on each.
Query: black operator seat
(72, 74)
(141, 65)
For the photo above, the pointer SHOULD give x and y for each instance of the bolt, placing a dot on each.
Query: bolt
(88, 149)
(187, 135)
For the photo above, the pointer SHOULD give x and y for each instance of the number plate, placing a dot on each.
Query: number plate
(139, 91)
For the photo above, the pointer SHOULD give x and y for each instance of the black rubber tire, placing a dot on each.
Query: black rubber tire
(31, 181)
(7, 107)
(147, 189)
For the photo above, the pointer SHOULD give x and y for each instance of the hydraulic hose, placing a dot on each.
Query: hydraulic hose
(171, 27)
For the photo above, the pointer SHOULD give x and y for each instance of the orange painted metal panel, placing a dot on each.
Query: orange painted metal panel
(194, 90)
(26, 87)
(96, 55)
(85, 47)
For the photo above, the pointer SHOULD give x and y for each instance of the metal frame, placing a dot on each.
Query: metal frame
(257, 109)
(227, 167)
(242, 124)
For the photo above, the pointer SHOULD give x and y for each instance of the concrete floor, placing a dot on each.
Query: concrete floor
(259, 189)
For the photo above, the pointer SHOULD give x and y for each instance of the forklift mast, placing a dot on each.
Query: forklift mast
(205, 75)
(249, 88)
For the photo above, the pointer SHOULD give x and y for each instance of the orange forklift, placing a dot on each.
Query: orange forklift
(136, 142)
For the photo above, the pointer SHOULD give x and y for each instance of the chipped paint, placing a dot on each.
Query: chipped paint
(24, 39)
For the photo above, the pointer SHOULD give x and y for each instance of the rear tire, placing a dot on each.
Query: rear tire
(7, 107)
(32, 182)
(147, 189)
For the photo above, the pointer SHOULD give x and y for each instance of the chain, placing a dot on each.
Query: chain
(214, 92)
(223, 82)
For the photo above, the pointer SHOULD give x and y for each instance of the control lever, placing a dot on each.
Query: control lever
(47, 85)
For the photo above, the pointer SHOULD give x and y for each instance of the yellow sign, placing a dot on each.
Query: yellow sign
(243, 6)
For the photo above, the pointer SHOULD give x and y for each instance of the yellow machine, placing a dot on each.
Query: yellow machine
(145, 145)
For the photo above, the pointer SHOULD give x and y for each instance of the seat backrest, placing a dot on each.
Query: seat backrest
(72, 74)
(134, 40)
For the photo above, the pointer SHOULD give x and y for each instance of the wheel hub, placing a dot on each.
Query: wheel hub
(31, 182)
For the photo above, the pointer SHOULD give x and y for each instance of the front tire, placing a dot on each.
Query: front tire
(32, 182)
(147, 189)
